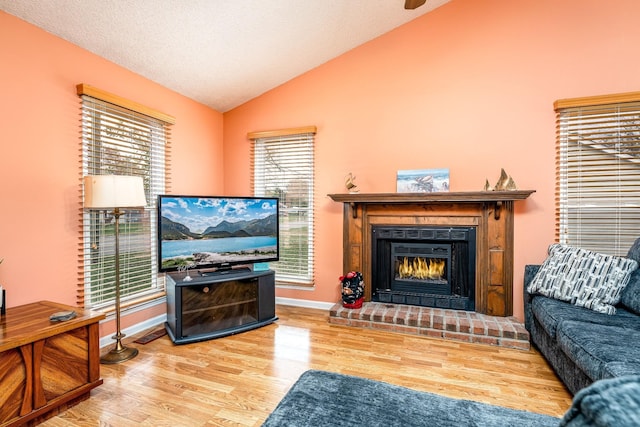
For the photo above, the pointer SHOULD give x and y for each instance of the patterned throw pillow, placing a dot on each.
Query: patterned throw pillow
(582, 277)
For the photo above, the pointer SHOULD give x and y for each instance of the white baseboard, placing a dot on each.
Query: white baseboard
(135, 329)
(305, 303)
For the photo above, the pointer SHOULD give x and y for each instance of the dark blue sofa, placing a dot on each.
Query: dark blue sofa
(582, 345)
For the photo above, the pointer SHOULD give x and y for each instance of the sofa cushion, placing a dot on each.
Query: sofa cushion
(630, 297)
(550, 313)
(582, 277)
(592, 346)
(634, 251)
(620, 369)
(613, 402)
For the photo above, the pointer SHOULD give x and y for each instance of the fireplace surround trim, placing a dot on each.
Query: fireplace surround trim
(491, 212)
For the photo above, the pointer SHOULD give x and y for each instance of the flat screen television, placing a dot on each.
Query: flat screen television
(216, 231)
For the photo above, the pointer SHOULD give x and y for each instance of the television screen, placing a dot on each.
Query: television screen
(216, 231)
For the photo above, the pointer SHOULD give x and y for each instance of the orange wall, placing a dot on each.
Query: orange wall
(39, 161)
(469, 87)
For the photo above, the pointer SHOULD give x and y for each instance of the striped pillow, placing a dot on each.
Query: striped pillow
(582, 277)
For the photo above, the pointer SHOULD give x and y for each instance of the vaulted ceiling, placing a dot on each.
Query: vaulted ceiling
(221, 53)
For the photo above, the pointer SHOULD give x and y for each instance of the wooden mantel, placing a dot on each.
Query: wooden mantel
(496, 197)
(491, 212)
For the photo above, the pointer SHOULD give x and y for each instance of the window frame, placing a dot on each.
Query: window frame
(286, 139)
(146, 129)
(597, 182)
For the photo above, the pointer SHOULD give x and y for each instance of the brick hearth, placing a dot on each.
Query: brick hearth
(464, 326)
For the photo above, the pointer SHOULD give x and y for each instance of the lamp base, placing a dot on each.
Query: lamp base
(119, 354)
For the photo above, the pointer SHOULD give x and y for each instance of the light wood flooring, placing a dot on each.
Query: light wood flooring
(238, 380)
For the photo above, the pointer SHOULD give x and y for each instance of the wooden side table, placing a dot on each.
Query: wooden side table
(46, 366)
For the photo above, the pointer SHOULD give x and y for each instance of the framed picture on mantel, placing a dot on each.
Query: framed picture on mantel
(422, 181)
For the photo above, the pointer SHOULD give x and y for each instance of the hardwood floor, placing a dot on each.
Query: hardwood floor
(238, 380)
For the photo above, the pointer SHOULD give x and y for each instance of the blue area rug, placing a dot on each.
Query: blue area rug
(321, 398)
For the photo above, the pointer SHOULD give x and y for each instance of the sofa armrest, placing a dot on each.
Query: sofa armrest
(529, 273)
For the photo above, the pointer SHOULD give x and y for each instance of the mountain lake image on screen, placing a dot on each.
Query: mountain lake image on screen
(216, 231)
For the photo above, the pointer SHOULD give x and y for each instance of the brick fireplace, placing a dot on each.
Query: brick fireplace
(487, 215)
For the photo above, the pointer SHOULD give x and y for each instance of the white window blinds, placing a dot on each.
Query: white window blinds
(598, 158)
(117, 140)
(283, 166)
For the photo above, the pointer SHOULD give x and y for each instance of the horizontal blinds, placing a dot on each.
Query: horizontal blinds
(136, 257)
(120, 141)
(283, 166)
(598, 156)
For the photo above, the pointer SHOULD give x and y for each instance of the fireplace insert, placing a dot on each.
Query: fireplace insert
(424, 265)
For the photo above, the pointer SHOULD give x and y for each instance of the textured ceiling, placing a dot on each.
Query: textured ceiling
(221, 53)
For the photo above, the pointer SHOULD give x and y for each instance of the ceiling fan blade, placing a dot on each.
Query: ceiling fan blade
(412, 4)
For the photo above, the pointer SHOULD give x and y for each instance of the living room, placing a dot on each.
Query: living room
(469, 86)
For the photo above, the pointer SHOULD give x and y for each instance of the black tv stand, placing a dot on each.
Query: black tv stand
(214, 304)
(222, 271)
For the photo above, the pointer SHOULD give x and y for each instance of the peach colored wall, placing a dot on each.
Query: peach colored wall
(469, 87)
(39, 161)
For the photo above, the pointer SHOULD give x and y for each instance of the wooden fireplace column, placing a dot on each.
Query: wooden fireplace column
(491, 212)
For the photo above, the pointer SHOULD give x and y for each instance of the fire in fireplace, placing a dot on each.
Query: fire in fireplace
(419, 268)
(426, 266)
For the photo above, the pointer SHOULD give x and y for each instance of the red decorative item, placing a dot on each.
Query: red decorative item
(357, 304)
(352, 289)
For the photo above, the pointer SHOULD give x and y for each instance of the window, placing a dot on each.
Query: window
(282, 165)
(598, 158)
(120, 137)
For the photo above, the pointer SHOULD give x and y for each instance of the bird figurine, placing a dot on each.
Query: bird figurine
(350, 184)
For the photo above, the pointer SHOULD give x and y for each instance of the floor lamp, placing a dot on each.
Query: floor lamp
(115, 192)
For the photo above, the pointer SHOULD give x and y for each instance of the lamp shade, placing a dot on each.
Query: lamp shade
(113, 191)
